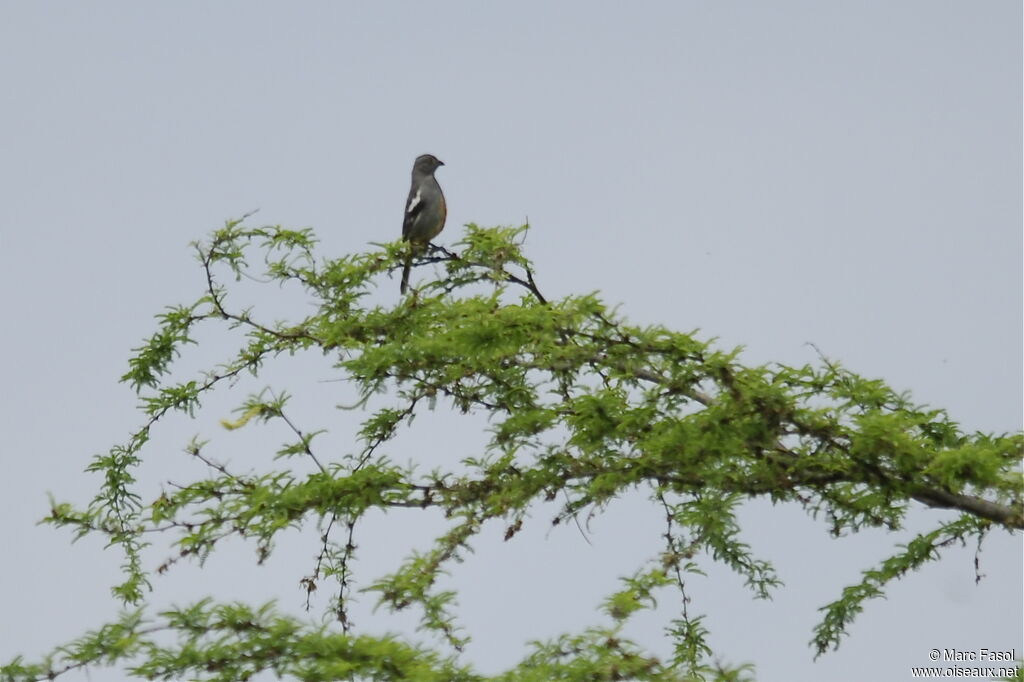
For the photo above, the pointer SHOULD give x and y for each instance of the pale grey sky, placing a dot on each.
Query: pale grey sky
(847, 174)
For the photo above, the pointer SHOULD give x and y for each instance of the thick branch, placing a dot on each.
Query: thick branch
(1002, 514)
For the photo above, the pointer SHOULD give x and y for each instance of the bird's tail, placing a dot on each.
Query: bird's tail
(405, 271)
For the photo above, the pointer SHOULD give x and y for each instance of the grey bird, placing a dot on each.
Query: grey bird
(425, 210)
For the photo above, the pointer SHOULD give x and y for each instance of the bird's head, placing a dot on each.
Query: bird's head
(427, 164)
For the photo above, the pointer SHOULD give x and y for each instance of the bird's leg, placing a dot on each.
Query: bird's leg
(434, 248)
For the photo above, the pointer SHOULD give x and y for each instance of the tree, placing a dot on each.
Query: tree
(583, 407)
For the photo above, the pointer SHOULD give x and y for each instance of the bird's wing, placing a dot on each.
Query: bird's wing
(413, 207)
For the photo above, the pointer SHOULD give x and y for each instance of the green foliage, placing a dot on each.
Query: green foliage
(583, 407)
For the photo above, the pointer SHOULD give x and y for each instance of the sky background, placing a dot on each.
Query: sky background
(772, 174)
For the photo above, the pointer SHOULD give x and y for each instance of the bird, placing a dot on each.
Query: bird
(425, 210)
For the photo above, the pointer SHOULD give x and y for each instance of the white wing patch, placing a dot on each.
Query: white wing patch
(414, 201)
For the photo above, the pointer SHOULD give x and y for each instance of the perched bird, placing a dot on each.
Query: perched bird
(425, 210)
